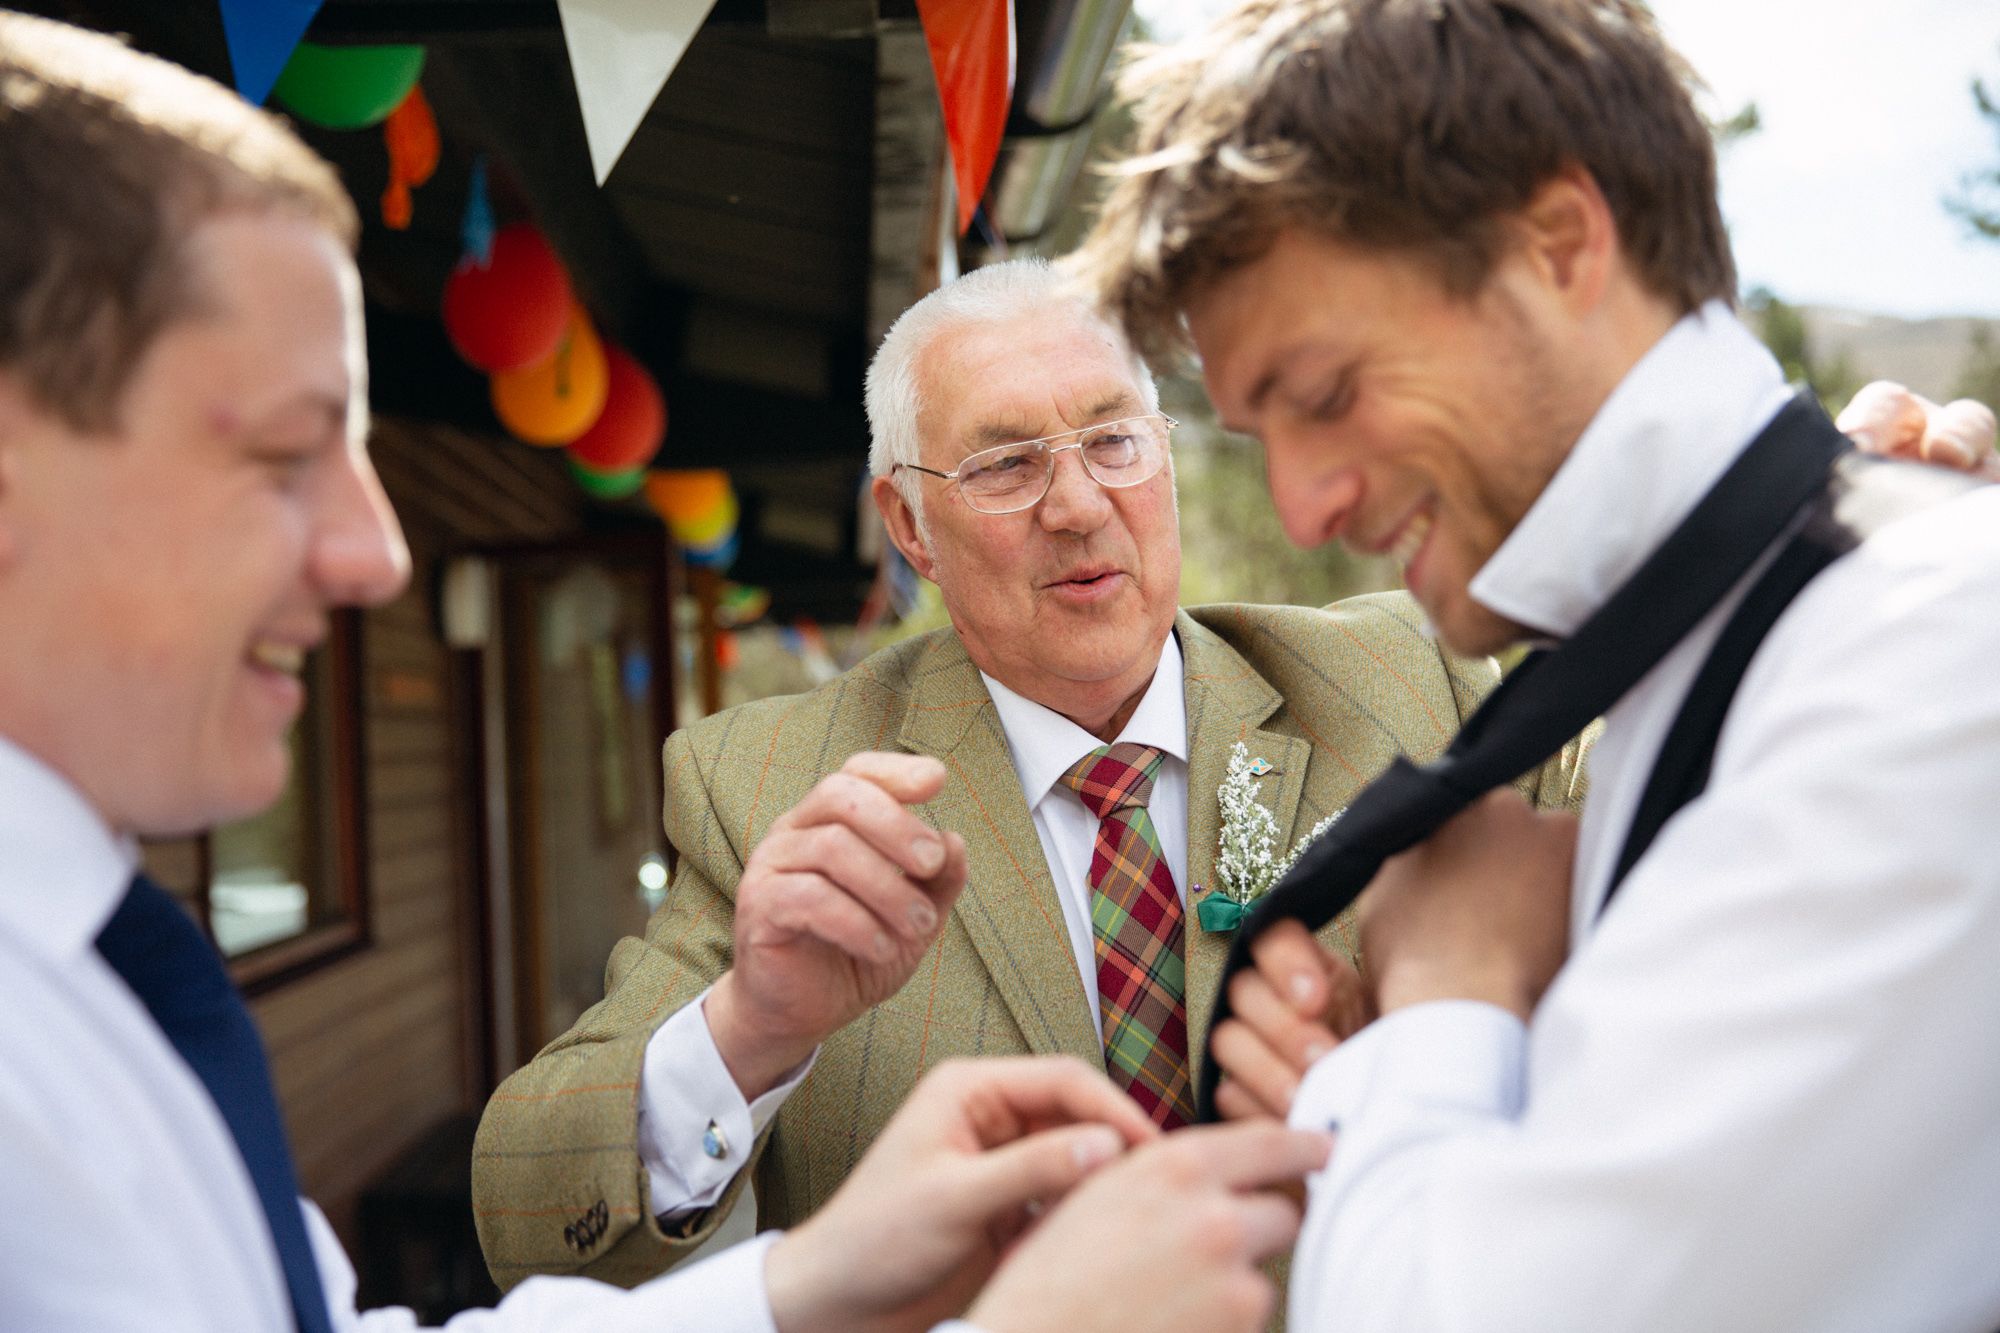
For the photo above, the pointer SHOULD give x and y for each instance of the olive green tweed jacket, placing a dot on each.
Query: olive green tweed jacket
(1327, 697)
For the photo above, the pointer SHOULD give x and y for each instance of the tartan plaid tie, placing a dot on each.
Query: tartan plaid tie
(1136, 922)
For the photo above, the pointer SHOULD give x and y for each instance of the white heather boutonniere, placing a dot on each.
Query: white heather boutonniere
(1247, 861)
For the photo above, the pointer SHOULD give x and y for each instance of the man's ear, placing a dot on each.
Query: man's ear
(902, 526)
(1567, 234)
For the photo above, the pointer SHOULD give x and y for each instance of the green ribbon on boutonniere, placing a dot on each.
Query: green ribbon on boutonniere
(1247, 862)
(1218, 913)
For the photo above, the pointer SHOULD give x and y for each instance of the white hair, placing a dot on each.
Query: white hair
(985, 295)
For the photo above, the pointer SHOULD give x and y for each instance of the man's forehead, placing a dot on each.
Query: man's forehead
(998, 381)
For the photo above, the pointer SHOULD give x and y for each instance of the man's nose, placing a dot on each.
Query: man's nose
(1314, 502)
(1075, 502)
(359, 556)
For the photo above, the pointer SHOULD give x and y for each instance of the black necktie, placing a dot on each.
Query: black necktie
(175, 972)
(1555, 693)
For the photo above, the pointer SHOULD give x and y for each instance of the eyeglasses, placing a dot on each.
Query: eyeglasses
(1013, 477)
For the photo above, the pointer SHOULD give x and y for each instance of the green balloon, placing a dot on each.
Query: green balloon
(348, 87)
(607, 485)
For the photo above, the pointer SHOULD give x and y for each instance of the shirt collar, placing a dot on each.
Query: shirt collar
(1045, 745)
(62, 870)
(1669, 429)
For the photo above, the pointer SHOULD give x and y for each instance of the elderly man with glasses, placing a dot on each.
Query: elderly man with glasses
(1050, 767)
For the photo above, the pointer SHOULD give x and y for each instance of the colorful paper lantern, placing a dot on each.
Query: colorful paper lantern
(628, 432)
(685, 494)
(554, 401)
(348, 87)
(509, 312)
(607, 485)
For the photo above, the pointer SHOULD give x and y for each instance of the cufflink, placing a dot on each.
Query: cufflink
(714, 1142)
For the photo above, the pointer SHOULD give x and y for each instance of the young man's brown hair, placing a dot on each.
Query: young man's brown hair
(108, 160)
(1409, 125)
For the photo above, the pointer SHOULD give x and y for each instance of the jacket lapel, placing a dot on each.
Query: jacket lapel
(1227, 702)
(1009, 907)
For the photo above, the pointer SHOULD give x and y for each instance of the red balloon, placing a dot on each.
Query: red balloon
(510, 312)
(629, 430)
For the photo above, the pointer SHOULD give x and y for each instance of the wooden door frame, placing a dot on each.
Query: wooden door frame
(476, 679)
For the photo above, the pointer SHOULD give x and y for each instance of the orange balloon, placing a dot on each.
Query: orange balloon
(686, 495)
(557, 399)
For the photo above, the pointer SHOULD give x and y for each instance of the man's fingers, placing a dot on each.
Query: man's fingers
(909, 778)
(852, 865)
(1295, 965)
(876, 813)
(1233, 1103)
(804, 903)
(1252, 1154)
(1003, 1097)
(1254, 1066)
(1960, 435)
(1884, 418)
(1267, 1223)
(1041, 1167)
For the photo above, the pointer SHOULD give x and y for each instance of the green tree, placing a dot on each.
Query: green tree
(1783, 328)
(1978, 200)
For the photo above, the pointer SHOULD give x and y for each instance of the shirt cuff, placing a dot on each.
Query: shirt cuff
(695, 1129)
(1444, 1060)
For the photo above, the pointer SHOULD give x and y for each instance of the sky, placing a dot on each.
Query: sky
(1867, 124)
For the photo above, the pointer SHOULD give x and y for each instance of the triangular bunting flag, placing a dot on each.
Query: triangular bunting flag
(620, 53)
(262, 34)
(972, 54)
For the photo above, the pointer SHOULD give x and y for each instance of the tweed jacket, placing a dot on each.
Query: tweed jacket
(1328, 697)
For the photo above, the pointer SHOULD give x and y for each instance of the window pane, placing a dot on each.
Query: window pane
(271, 877)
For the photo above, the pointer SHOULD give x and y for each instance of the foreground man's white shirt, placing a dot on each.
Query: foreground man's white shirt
(124, 1204)
(1764, 1094)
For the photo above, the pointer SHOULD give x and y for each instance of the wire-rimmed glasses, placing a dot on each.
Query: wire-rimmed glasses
(1012, 477)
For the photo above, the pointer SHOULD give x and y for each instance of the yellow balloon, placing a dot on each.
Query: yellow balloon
(553, 401)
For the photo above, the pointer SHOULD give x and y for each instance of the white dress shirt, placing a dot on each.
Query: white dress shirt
(1764, 1093)
(684, 1085)
(124, 1203)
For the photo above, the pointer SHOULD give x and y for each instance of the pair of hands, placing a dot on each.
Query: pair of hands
(1036, 1179)
(1481, 911)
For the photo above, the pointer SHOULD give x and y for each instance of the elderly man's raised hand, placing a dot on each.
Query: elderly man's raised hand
(1885, 418)
(836, 907)
(963, 1167)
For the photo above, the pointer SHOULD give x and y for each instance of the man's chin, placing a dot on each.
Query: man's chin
(1469, 629)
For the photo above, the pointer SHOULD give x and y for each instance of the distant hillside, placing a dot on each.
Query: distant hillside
(1926, 354)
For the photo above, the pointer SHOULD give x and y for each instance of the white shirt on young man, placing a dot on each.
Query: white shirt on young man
(684, 1085)
(1764, 1093)
(124, 1203)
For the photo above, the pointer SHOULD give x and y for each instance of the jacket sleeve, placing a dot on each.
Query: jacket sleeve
(558, 1185)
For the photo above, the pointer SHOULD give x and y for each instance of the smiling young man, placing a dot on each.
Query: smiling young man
(1459, 265)
(843, 918)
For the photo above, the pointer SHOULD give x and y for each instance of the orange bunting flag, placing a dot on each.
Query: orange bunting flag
(972, 54)
(411, 134)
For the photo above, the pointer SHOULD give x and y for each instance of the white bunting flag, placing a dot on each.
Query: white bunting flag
(620, 53)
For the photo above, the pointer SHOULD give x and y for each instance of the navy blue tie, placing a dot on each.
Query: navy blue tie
(175, 972)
